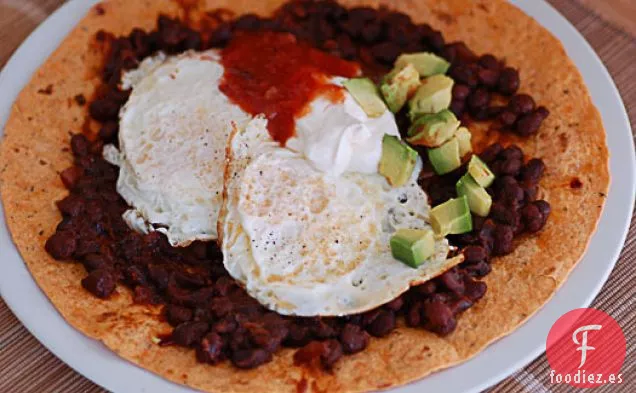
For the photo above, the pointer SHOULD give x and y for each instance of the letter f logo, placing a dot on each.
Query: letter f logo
(584, 347)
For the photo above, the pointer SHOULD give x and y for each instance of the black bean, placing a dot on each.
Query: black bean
(321, 329)
(475, 254)
(544, 207)
(346, 48)
(80, 145)
(225, 325)
(489, 61)
(460, 305)
(414, 314)
(436, 41)
(532, 218)
(512, 152)
(210, 349)
(72, 205)
(383, 324)
(221, 36)
(371, 32)
(395, 304)
(298, 335)
(353, 338)
(248, 22)
(510, 167)
(507, 118)
(494, 112)
(461, 92)
(480, 269)
(439, 317)
(385, 53)
(100, 283)
(177, 315)
(479, 99)
(250, 358)
(503, 214)
(491, 152)
(530, 192)
(331, 353)
(521, 104)
(488, 77)
(508, 81)
(96, 261)
(108, 131)
(428, 288)
(452, 281)
(457, 107)
(503, 240)
(464, 74)
(475, 290)
(61, 245)
(533, 171)
(189, 333)
(464, 54)
(530, 123)
(70, 176)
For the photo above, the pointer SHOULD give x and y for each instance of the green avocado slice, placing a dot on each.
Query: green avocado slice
(434, 129)
(365, 92)
(426, 63)
(399, 85)
(434, 95)
(479, 200)
(464, 139)
(413, 246)
(480, 172)
(445, 158)
(452, 217)
(397, 161)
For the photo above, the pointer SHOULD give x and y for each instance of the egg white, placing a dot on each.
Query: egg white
(305, 242)
(172, 139)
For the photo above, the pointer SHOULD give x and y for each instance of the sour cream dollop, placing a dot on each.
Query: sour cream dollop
(340, 137)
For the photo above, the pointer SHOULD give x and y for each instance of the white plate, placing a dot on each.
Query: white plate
(501, 359)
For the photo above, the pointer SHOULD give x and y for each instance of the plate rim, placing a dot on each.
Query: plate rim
(49, 34)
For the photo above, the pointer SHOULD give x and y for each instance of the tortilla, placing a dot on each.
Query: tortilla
(571, 141)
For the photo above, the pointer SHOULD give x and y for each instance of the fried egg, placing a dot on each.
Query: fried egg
(305, 242)
(172, 139)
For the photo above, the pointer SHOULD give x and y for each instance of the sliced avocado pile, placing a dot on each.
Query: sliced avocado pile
(413, 246)
(397, 161)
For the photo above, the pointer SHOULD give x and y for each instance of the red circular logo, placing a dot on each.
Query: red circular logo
(585, 349)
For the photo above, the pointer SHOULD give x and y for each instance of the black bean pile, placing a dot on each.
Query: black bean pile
(207, 309)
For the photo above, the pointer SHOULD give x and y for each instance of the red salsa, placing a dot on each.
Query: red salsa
(277, 75)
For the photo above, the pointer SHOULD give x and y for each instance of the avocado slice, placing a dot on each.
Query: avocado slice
(463, 138)
(479, 200)
(434, 95)
(452, 217)
(397, 161)
(365, 92)
(399, 85)
(426, 63)
(445, 158)
(480, 172)
(433, 130)
(413, 246)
